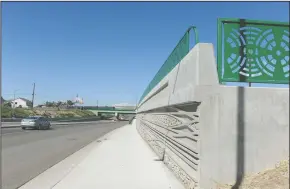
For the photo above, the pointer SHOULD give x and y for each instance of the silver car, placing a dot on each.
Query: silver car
(35, 122)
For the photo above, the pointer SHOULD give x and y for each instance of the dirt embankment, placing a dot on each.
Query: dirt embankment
(7, 112)
(277, 178)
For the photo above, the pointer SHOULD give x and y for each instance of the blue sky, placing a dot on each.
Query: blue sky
(104, 51)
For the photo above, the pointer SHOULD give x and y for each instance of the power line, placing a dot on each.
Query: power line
(17, 93)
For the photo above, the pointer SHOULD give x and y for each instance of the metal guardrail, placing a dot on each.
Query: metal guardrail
(253, 51)
(178, 53)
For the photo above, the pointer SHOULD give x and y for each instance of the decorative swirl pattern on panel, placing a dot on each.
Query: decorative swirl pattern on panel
(253, 51)
(261, 52)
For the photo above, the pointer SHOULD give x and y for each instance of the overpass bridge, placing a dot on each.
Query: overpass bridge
(117, 113)
(114, 111)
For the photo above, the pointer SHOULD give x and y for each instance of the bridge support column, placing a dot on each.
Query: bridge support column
(117, 115)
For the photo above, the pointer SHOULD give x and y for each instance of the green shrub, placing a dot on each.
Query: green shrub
(6, 112)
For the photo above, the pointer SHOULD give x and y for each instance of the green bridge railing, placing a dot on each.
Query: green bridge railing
(179, 52)
(253, 51)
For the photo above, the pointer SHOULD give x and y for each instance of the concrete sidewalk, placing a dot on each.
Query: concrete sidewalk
(120, 160)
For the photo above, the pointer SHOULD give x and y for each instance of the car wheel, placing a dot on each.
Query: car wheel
(23, 128)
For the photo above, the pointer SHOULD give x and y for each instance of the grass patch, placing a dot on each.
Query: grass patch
(6, 112)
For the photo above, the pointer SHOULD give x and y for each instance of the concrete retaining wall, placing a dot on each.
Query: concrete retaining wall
(243, 131)
(209, 134)
(198, 67)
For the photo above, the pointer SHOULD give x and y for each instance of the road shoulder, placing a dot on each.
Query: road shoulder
(121, 160)
(52, 176)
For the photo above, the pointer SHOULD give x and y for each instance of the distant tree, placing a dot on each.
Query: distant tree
(7, 104)
(58, 104)
(29, 104)
(49, 104)
(70, 103)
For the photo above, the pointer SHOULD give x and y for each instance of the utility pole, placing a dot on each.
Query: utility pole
(33, 95)
(13, 108)
(97, 104)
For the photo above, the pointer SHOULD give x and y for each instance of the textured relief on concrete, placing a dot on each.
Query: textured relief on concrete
(174, 136)
(153, 140)
(187, 181)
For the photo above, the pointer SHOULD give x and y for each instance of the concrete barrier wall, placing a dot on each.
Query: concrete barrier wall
(207, 133)
(172, 128)
(243, 131)
(198, 67)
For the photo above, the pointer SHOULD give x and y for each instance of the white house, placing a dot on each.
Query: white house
(20, 103)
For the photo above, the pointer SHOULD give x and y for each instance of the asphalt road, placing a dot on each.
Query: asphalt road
(26, 154)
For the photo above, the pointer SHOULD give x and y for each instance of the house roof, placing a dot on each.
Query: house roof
(24, 99)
